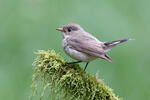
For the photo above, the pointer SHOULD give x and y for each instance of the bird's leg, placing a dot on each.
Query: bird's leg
(74, 62)
(86, 66)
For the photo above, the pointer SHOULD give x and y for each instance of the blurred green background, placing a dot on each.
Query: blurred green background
(29, 25)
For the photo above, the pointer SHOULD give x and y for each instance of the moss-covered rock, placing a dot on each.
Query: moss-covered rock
(66, 82)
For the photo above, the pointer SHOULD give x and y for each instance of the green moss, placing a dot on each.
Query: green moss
(66, 82)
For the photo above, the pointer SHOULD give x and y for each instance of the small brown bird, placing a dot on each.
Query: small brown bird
(82, 46)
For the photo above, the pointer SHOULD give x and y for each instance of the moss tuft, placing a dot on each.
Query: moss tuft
(66, 82)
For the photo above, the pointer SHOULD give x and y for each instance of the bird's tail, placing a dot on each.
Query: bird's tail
(109, 45)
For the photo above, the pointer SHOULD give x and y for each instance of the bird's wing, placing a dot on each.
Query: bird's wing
(89, 46)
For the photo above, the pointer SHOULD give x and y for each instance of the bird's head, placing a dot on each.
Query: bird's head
(70, 29)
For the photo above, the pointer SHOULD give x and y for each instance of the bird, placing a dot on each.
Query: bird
(83, 46)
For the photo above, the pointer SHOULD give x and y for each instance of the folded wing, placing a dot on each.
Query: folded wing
(89, 46)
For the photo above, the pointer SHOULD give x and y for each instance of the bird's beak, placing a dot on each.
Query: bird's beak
(60, 29)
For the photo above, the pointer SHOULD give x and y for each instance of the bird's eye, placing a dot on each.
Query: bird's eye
(69, 30)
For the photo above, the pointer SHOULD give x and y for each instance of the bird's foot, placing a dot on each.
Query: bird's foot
(74, 62)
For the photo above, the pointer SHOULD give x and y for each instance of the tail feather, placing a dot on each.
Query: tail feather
(108, 58)
(108, 45)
